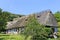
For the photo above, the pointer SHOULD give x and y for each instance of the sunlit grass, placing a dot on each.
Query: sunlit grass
(11, 37)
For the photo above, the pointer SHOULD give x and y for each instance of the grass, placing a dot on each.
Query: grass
(17, 37)
(12, 37)
(21, 37)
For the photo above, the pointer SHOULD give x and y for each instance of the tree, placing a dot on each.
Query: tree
(2, 25)
(57, 15)
(34, 29)
(5, 17)
(2, 21)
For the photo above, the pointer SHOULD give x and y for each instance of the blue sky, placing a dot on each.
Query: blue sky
(26, 7)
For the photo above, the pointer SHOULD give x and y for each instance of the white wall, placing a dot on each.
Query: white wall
(15, 31)
(12, 31)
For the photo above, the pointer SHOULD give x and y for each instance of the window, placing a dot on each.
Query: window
(38, 16)
(26, 19)
(50, 12)
(14, 29)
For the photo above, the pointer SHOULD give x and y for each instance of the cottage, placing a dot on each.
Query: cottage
(45, 17)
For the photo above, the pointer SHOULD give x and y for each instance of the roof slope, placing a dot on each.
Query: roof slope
(45, 17)
(19, 23)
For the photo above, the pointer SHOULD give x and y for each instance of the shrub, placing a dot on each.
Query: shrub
(36, 30)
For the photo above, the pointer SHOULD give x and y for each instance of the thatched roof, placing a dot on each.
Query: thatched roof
(19, 23)
(45, 17)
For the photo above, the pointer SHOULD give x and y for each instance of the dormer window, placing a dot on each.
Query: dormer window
(26, 19)
(38, 16)
(50, 12)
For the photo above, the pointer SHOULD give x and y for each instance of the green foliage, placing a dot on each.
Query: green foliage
(37, 31)
(5, 17)
(58, 24)
(2, 21)
(2, 25)
(9, 16)
(57, 15)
